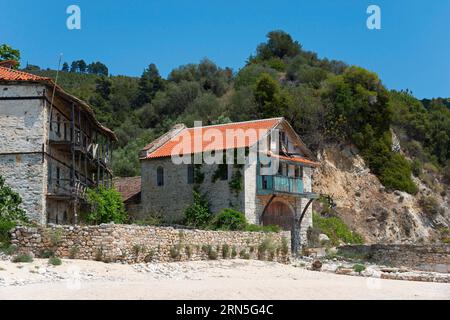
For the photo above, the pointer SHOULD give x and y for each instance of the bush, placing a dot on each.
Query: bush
(233, 252)
(429, 205)
(5, 227)
(198, 213)
(175, 252)
(149, 256)
(73, 252)
(267, 245)
(26, 257)
(336, 230)
(212, 254)
(244, 255)
(46, 254)
(55, 261)
(10, 212)
(284, 246)
(55, 237)
(229, 219)
(8, 249)
(359, 268)
(257, 228)
(396, 175)
(10, 204)
(106, 206)
(225, 251)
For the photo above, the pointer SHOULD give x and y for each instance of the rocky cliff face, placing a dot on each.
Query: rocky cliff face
(379, 215)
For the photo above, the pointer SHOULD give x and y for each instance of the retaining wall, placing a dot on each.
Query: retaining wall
(133, 244)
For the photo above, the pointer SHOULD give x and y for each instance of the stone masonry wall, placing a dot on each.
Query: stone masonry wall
(24, 173)
(421, 257)
(22, 133)
(131, 243)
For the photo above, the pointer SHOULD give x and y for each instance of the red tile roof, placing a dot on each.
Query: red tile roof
(296, 159)
(198, 140)
(8, 74)
(127, 186)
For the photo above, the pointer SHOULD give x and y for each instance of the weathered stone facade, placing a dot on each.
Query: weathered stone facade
(132, 244)
(22, 136)
(433, 257)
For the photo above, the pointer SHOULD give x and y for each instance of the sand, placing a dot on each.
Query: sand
(223, 279)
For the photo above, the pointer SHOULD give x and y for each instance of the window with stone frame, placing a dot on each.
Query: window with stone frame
(190, 174)
(160, 176)
(223, 167)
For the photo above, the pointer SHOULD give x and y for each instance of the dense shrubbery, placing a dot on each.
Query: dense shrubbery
(229, 219)
(105, 206)
(198, 215)
(336, 230)
(10, 212)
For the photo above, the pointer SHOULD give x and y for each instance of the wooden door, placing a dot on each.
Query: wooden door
(278, 213)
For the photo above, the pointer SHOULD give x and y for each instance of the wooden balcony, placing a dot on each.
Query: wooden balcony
(281, 184)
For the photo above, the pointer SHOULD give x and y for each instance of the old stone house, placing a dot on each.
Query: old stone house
(281, 197)
(51, 146)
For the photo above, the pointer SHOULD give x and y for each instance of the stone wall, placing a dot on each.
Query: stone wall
(24, 173)
(22, 133)
(131, 243)
(420, 257)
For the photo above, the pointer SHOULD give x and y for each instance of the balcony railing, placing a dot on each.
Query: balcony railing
(282, 184)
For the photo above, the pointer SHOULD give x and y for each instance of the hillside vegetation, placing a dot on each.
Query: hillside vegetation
(326, 101)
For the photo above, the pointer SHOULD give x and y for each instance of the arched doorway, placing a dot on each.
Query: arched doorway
(279, 213)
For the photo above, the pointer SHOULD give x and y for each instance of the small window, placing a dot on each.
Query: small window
(58, 125)
(160, 176)
(50, 173)
(223, 171)
(57, 176)
(299, 172)
(190, 174)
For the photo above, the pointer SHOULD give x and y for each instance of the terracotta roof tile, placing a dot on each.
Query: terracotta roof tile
(230, 132)
(7, 74)
(296, 159)
(127, 186)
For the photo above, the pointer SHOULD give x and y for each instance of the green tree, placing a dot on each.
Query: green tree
(270, 99)
(82, 66)
(8, 53)
(279, 44)
(65, 67)
(149, 84)
(105, 206)
(198, 213)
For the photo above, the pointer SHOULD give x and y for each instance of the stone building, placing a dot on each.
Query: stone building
(271, 186)
(51, 146)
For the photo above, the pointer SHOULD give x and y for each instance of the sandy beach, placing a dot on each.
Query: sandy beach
(223, 279)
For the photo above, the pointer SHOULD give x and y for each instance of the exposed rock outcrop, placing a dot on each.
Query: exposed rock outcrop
(368, 208)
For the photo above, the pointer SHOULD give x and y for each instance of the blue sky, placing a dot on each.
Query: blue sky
(410, 51)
